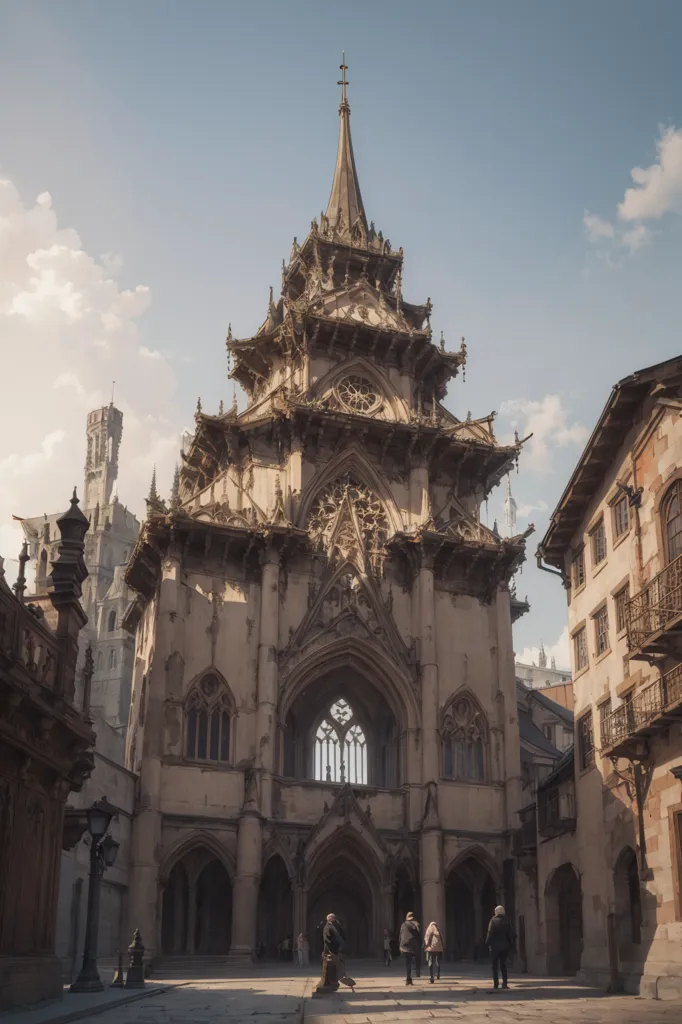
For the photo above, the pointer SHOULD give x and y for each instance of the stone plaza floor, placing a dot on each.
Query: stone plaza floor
(274, 994)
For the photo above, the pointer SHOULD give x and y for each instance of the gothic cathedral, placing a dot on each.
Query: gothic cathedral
(324, 701)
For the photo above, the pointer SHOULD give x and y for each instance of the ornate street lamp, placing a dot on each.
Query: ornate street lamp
(103, 850)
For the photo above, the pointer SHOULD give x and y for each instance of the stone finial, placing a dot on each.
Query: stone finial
(198, 406)
(175, 489)
(221, 410)
(153, 493)
(20, 584)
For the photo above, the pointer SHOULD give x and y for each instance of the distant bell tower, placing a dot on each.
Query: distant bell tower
(509, 510)
(104, 430)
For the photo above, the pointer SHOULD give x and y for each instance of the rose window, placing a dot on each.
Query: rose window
(357, 394)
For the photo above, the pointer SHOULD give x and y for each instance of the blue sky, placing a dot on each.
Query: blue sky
(194, 140)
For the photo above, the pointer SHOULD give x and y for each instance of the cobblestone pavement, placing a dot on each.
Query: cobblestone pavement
(272, 996)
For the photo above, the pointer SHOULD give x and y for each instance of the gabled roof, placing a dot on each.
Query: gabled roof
(563, 770)
(530, 734)
(551, 705)
(607, 437)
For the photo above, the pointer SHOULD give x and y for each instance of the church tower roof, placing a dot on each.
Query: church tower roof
(345, 209)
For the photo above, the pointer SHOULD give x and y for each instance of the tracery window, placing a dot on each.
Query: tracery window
(208, 718)
(357, 394)
(340, 751)
(368, 509)
(464, 735)
(671, 514)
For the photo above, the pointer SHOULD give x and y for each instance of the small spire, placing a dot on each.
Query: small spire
(345, 208)
(442, 342)
(220, 408)
(20, 584)
(229, 333)
(198, 405)
(153, 493)
(234, 398)
(175, 489)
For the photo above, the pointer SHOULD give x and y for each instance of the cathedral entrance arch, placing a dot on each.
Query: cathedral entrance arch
(470, 899)
(196, 912)
(275, 906)
(564, 920)
(344, 880)
(341, 729)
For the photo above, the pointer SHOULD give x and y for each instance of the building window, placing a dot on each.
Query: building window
(671, 514)
(578, 570)
(547, 729)
(208, 718)
(112, 622)
(621, 601)
(586, 740)
(621, 516)
(464, 733)
(99, 660)
(598, 538)
(601, 630)
(112, 658)
(340, 747)
(580, 649)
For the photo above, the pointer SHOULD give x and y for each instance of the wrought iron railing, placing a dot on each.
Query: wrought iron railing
(658, 603)
(643, 709)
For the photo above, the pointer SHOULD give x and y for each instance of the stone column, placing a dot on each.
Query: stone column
(247, 881)
(267, 675)
(192, 916)
(433, 890)
(144, 900)
(429, 672)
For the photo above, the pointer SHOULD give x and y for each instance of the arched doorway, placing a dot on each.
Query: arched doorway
(196, 912)
(341, 729)
(275, 909)
(628, 903)
(564, 921)
(344, 881)
(470, 898)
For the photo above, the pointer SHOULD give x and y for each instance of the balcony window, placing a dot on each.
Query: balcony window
(621, 516)
(621, 600)
(580, 649)
(586, 741)
(578, 570)
(604, 712)
(601, 631)
(671, 513)
(598, 539)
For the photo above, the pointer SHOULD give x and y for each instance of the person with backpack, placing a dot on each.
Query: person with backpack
(433, 944)
(500, 940)
(410, 946)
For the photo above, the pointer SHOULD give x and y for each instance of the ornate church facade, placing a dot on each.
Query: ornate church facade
(324, 700)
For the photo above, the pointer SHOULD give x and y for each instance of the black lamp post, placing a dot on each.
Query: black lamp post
(103, 850)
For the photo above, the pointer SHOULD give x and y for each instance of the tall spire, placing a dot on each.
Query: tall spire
(345, 207)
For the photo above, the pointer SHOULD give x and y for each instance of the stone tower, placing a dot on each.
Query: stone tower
(324, 698)
(104, 430)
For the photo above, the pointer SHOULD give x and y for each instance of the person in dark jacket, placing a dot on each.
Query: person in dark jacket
(410, 945)
(500, 940)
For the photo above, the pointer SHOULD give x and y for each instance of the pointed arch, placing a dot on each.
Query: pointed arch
(276, 847)
(479, 854)
(371, 660)
(201, 839)
(354, 462)
(364, 368)
(464, 736)
(209, 719)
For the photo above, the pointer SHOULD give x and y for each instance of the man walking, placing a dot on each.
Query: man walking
(410, 946)
(500, 941)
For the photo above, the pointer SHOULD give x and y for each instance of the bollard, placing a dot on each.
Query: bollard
(135, 976)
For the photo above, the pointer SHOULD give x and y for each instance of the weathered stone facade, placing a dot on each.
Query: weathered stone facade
(615, 538)
(324, 699)
(45, 752)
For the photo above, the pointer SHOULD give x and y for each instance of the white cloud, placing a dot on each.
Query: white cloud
(548, 421)
(560, 651)
(657, 190)
(524, 509)
(68, 330)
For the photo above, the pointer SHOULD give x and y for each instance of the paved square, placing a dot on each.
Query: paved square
(283, 995)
